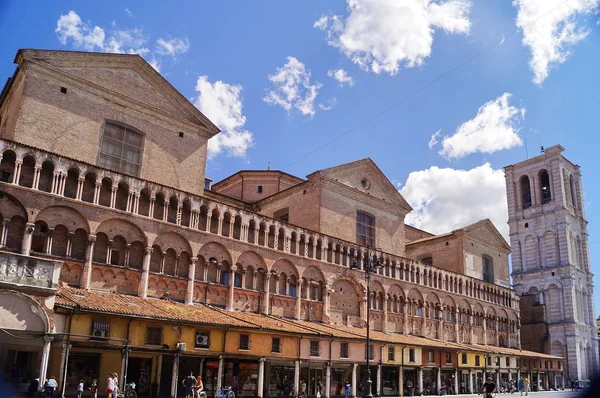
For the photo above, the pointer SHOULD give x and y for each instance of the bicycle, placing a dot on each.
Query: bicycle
(129, 391)
(224, 392)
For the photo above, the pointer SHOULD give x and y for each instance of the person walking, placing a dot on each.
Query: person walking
(521, 385)
(488, 388)
(94, 388)
(80, 388)
(526, 385)
(189, 382)
(347, 389)
(116, 390)
(110, 385)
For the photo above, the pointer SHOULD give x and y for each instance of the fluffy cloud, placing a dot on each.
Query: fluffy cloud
(81, 35)
(549, 29)
(341, 76)
(491, 130)
(292, 88)
(71, 27)
(222, 104)
(446, 199)
(383, 35)
(172, 47)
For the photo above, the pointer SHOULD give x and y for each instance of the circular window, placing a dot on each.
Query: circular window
(366, 184)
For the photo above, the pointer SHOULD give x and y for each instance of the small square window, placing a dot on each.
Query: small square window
(507, 361)
(181, 134)
(391, 354)
(430, 357)
(370, 351)
(489, 361)
(448, 357)
(244, 342)
(315, 348)
(63, 90)
(477, 361)
(259, 189)
(276, 345)
(411, 355)
(154, 336)
(202, 339)
(344, 350)
(464, 358)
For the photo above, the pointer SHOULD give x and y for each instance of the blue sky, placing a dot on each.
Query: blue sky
(265, 72)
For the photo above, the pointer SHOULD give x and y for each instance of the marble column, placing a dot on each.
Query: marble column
(27, 236)
(297, 377)
(328, 380)
(420, 379)
(298, 300)
(261, 377)
(220, 374)
(143, 289)
(189, 293)
(44, 361)
(265, 306)
(353, 393)
(86, 276)
(229, 306)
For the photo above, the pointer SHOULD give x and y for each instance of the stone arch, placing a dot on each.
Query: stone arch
(530, 252)
(10, 207)
(216, 251)
(285, 266)
(19, 311)
(345, 303)
(64, 215)
(172, 240)
(116, 226)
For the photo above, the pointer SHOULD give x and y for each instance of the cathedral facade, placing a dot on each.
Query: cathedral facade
(551, 263)
(117, 255)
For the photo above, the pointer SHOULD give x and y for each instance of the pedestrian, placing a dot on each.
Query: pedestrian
(572, 385)
(110, 385)
(489, 387)
(319, 388)
(303, 388)
(576, 385)
(521, 385)
(116, 390)
(33, 387)
(526, 385)
(286, 385)
(189, 382)
(347, 389)
(94, 388)
(199, 386)
(80, 388)
(50, 386)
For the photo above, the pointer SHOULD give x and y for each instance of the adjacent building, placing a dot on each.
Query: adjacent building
(117, 255)
(551, 263)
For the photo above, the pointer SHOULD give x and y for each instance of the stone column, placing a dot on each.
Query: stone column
(175, 376)
(277, 284)
(143, 289)
(113, 196)
(261, 377)
(379, 380)
(439, 378)
(5, 223)
(80, 182)
(484, 330)
(456, 383)
(353, 392)
(265, 306)
(220, 225)
(401, 381)
(97, 188)
(385, 315)
(471, 391)
(298, 299)
(229, 306)
(162, 262)
(363, 309)
(27, 236)
(420, 379)
(165, 215)
(326, 301)
(70, 243)
(328, 379)
(220, 373)
(297, 376)
(189, 293)
(256, 232)
(539, 380)
(44, 361)
(49, 241)
(151, 207)
(36, 177)
(86, 276)
(17, 175)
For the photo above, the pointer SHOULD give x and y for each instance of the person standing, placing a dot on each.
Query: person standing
(80, 388)
(286, 385)
(116, 390)
(110, 385)
(526, 385)
(51, 385)
(189, 382)
(94, 388)
(521, 385)
(347, 389)
(199, 386)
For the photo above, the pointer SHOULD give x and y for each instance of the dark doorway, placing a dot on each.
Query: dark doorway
(138, 371)
(166, 376)
(187, 365)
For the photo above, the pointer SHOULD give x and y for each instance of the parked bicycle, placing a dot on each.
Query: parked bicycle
(225, 392)
(129, 391)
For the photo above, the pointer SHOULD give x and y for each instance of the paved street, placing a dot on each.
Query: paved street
(542, 394)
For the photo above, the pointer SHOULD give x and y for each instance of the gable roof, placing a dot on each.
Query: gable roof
(370, 167)
(61, 61)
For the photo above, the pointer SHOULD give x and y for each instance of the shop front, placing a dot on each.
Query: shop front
(361, 377)
(463, 385)
(340, 373)
(313, 374)
(279, 378)
(389, 381)
(210, 371)
(430, 381)
(241, 376)
(410, 382)
(448, 382)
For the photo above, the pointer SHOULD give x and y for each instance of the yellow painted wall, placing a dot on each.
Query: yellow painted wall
(260, 344)
(398, 355)
(471, 360)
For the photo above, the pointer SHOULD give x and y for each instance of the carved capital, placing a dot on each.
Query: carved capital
(91, 239)
(29, 228)
(149, 250)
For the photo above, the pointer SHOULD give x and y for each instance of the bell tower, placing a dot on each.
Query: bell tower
(550, 260)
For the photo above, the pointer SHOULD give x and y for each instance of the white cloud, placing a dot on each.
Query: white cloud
(434, 139)
(549, 29)
(494, 128)
(331, 103)
(383, 35)
(341, 76)
(71, 29)
(83, 36)
(172, 47)
(446, 199)
(292, 88)
(129, 12)
(222, 104)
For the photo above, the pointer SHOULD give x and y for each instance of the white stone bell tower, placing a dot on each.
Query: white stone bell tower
(550, 260)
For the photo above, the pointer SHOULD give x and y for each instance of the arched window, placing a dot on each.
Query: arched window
(525, 192)
(121, 149)
(545, 187)
(573, 191)
(487, 268)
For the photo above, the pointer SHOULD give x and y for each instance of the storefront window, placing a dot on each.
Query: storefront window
(281, 380)
(390, 378)
(314, 377)
(82, 366)
(242, 376)
(339, 375)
